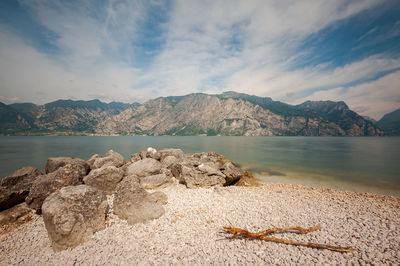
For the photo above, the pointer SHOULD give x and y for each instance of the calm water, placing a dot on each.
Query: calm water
(348, 163)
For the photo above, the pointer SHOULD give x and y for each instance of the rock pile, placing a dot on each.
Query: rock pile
(72, 195)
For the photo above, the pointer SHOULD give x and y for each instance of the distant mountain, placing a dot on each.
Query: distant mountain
(62, 116)
(229, 113)
(390, 123)
(234, 113)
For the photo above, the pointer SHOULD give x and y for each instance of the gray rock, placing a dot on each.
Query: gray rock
(145, 167)
(44, 185)
(111, 158)
(155, 181)
(159, 196)
(176, 170)
(15, 188)
(105, 178)
(134, 204)
(169, 160)
(178, 153)
(210, 169)
(232, 173)
(193, 179)
(53, 163)
(14, 213)
(135, 157)
(73, 214)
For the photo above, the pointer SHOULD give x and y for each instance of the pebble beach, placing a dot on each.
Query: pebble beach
(190, 232)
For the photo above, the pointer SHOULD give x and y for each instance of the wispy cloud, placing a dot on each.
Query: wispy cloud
(135, 50)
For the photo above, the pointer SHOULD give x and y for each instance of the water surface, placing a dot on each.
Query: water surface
(363, 164)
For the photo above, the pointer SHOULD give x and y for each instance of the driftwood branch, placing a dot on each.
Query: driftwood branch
(263, 236)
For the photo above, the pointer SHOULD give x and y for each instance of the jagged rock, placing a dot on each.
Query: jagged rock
(105, 178)
(178, 153)
(44, 185)
(169, 160)
(176, 170)
(92, 159)
(192, 178)
(15, 188)
(135, 157)
(73, 214)
(14, 213)
(155, 181)
(134, 204)
(111, 158)
(145, 167)
(210, 169)
(232, 173)
(53, 163)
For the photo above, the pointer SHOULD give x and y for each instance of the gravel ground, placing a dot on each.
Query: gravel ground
(189, 232)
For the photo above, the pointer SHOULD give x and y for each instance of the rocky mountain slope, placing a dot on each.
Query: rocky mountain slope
(229, 113)
(390, 123)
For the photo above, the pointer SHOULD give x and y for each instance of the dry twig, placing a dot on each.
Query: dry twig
(262, 236)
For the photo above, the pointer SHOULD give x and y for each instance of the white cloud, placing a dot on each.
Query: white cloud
(210, 46)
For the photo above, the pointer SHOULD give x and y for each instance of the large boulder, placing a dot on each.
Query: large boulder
(155, 181)
(44, 185)
(169, 160)
(134, 204)
(15, 188)
(73, 214)
(178, 153)
(53, 163)
(193, 178)
(105, 178)
(145, 167)
(111, 158)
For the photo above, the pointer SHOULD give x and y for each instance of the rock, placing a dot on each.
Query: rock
(53, 163)
(151, 150)
(159, 196)
(210, 169)
(14, 213)
(154, 181)
(44, 185)
(232, 173)
(145, 167)
(134, 204)
(176, 170)
(169, 160)
(92, 159)
(193, 179)
(15, 188)
(111, 158)
(178, 153)
(73, 214)
(105, 178)
(135, 157)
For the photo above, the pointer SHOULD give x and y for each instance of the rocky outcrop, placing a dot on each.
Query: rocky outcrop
(105, 178)
(134, 204)
(144, 167)
(43, 186)
(73, 214)
(111, 158)
(15, 188)
(53, 163)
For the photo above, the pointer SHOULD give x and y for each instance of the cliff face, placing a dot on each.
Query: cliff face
(195, 114)
(390, 123)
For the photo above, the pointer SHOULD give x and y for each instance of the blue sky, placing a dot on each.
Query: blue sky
(129, 51)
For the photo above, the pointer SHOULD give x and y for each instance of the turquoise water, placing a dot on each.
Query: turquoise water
(364, 164)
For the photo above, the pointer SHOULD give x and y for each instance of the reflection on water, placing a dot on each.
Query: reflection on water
(354, 163)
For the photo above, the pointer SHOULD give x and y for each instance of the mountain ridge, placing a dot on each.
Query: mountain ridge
(229, 113)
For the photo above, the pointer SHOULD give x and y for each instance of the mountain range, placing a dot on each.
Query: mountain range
(229, 113)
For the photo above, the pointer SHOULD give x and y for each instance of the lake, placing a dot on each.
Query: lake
(362, 164)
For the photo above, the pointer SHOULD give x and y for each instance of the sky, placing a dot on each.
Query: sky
(133, 51)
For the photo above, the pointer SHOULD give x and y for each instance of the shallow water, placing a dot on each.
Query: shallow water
(363, 164)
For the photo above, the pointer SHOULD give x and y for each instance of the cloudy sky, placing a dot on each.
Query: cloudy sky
(130, 50)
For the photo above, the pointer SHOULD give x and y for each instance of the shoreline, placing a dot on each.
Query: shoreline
(189, 232)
